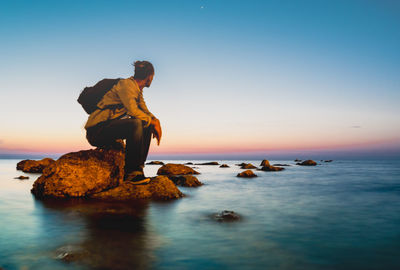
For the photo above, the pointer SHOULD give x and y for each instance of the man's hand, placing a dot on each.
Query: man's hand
(157, 132)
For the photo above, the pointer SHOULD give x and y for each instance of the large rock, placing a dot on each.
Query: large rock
(185, 180)
(175, 169)
(159, 188)
(308, 162)
(81, 174)
(34, 166)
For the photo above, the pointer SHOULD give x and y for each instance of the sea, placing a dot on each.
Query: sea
(343, 214)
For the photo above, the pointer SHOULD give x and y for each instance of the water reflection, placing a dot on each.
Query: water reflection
(112, 235)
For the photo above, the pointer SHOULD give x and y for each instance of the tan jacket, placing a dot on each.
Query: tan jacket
(127, 93)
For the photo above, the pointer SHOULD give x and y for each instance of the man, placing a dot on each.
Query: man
(123, 114)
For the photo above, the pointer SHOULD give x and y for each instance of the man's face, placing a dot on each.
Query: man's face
(149, 80)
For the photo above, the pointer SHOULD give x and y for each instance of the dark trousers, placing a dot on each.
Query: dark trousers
(137, 137)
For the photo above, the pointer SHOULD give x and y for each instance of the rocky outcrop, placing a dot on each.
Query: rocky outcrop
(308, 162)
(155, 163)
(247, 174)
(189, 163)
(34, 166)
(226, 216)
(81, 174)
(241, 164)
(264, 163)
(175, 169)
(224, 166)
(159, 188)
(248, 166)
(208, 163)
(185, 180)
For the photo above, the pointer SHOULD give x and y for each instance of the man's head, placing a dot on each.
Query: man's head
(144, 72)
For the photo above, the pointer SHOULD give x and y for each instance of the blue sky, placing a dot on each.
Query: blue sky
(233, 77)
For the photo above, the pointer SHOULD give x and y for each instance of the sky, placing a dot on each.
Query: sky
(232, 78)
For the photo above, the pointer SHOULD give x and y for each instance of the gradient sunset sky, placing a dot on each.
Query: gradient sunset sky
(231, 77)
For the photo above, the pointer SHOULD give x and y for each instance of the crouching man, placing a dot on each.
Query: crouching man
(123, 114)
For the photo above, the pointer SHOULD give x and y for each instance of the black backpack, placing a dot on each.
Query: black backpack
(90, 96)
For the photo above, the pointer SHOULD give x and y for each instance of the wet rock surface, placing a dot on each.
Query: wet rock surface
(247, 174)
(175, 169)
(159, 188)
(155, 163)
(308, 162)
(224, 166)
(185, 180)
(34, 166)
(226, 216)
(80, 174)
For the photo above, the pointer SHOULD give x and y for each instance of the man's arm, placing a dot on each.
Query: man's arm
(128, 95)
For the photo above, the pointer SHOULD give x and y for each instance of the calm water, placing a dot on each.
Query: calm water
(340, 215)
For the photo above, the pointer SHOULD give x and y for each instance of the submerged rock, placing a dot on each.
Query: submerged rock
(185, 180)
(330, 160)
(297, 160)
(175, 169)
(224, 166)
(247, 174)
(80, 174)
(155, 163)
(226, 216)
(208, 163)
(308, 162)
(189, 163)
(281, 164)
(34, 166)
(22, 177)
(248, 166)
(159, 188)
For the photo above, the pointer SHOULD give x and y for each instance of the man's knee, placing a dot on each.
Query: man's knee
(136, 127)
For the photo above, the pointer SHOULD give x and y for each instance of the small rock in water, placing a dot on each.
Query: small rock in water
(189, 163)
(208, 163)
(308, 162)
(226, 216)
(281, 164)
(155, 163)
(247, 174)
(271, 169)
(224, 166)
(241, 164)
(175, 169)
(264, 163)
(297, 160)
(330, 160)
(248, 166)
(21, 177)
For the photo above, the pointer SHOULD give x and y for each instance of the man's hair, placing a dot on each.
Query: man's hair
(143, 69)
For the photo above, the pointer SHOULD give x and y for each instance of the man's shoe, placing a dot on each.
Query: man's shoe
(137, 179)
